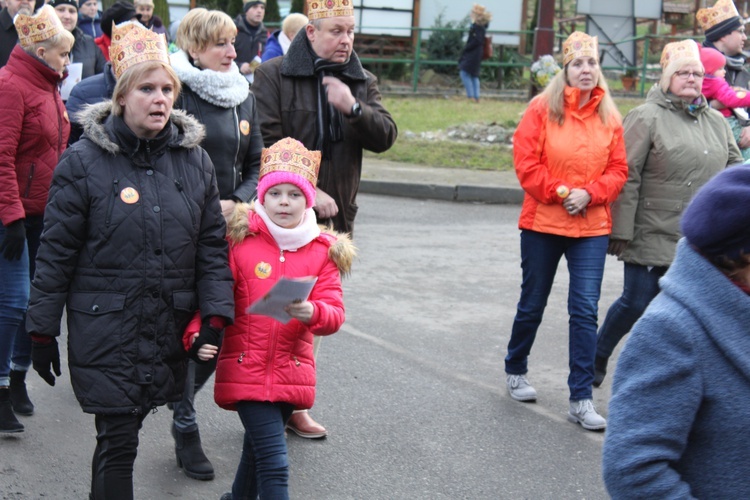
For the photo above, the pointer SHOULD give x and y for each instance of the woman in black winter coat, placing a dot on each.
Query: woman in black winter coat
(217, 95)
(133, 245)
(471, 56)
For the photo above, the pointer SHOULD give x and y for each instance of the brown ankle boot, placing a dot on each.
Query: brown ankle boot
(302, 424)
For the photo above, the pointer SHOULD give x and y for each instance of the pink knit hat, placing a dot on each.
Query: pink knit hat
(288, 161)
(712, 60)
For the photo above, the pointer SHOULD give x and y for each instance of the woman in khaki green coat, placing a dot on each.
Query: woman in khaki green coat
(675, 143)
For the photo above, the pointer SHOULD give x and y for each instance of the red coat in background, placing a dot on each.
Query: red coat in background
(262, 359)
(34, 132)
(103, 42)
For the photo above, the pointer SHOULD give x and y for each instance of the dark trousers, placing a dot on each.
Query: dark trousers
(114, 456)
(264, 467)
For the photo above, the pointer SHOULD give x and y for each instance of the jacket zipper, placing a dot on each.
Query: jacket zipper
(185, 198)
(237, 150)
(28, 185)
(115, 191)
(59, 122)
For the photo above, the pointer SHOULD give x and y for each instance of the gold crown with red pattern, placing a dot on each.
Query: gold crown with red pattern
(137, 46)
(290, 155)
(684, 49)
(38, 27)
(579, 44)
(122, 29)
(720, 12)
(323, 9)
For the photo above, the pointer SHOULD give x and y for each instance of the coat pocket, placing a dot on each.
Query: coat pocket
(95, 321)
(660, 216)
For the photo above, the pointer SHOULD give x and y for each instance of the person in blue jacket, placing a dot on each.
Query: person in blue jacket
(90, 18)
(280, 40)
(471, 57)
(681, 395)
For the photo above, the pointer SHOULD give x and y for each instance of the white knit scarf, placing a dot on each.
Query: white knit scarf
(296, 237)
(225, 90)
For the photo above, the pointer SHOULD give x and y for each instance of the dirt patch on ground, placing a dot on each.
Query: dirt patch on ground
(487, 133)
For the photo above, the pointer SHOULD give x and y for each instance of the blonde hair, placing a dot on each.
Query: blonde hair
(554, 95)
(673, 67)
(133, 76)
(200, 27)
(143, 2)
(293, 23)
(481, 15)
(57, 40)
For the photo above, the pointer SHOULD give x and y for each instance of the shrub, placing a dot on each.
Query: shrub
(445, 45)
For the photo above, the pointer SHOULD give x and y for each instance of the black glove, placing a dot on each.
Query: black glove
(44, 357)
(14, 241)
(207, 335)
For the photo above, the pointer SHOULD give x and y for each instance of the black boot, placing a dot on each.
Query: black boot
(19, 398)
(8, 421)
(190, 456)
(600, 370)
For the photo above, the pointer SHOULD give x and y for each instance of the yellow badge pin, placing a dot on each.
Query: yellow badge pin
(129, 195)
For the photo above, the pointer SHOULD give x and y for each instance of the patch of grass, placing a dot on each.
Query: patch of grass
(450, 154)
(417, 115)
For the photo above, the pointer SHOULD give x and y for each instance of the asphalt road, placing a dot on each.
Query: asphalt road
(411, 389)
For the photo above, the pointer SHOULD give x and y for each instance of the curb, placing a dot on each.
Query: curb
(444, 192)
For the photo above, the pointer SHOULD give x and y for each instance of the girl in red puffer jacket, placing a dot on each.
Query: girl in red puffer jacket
(266, 368)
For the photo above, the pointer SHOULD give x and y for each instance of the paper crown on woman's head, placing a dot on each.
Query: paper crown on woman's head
(136, 46)
(323, 9)
(41, 26)
(684, 49)
(719, 20)
(579, 44)
(288, 161)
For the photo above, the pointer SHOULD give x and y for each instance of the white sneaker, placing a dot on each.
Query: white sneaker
(584, 413)
(519, 388)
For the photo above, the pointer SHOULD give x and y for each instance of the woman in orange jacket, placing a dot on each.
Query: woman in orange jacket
(570, 159)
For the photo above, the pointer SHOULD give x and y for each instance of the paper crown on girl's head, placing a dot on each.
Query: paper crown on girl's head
(38, 27)
(323, 9)
(711, 17)
(685, 49)
(288, 161)
(136, 46)
(579, 44)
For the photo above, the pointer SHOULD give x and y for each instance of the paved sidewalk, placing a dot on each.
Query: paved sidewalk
(454, 184)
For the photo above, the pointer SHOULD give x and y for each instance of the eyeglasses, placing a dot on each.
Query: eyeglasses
(741, 31)
(687, 74)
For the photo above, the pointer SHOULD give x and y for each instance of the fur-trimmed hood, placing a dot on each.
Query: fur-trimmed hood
(341, 251)
(187, 131)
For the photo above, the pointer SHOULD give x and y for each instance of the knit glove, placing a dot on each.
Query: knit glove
(14, 240)
(45, 356)
(207, 335)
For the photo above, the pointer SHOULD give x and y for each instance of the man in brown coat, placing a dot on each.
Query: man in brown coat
(320, 94)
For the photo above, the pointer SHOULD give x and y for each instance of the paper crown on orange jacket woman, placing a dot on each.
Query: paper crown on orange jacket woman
(579, 44)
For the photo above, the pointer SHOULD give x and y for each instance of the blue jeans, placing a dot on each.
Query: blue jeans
(15, 284)
(264, 467)
(540, 255)
(471, 83)
(641, 285)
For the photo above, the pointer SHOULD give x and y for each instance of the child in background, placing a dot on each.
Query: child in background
(715, 87)
(266, 369)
